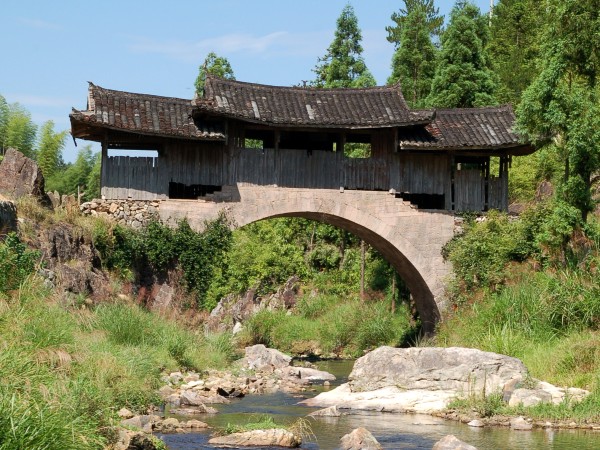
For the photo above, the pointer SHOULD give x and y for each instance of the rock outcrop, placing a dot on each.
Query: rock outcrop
(72, 261)
(258, 438)
(20, 176)
(234, 310)
(420, 379)
(359, 439)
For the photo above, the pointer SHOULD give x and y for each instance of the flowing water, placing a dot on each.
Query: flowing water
(393, 431)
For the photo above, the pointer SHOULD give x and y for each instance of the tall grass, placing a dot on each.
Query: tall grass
(326, 324)
(64, 372)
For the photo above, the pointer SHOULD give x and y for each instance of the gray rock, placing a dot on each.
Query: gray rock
(166, 391)
(193, 398)
(20, 176)
(451, 442)
(258, 438)
(359, 439)
(170, 424)
(260, 357)
(529, 397)
(310, 374)
(200, 409)
(193, 423)
(124, 413)
(140, 422)
(430, 368)
(476, 423)
(519, 423)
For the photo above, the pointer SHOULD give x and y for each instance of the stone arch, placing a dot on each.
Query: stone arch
(409, 239)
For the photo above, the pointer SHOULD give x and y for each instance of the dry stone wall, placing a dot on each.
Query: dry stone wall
(134, 213)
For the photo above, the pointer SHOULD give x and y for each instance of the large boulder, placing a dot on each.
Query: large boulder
(20, 176)
(421, 380)
(459, 369)
(259, 357)
(359, 439)
(258, 438)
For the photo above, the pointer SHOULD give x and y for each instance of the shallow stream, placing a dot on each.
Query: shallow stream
(393, 431)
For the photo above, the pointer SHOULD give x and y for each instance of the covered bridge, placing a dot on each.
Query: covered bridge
(295, 137)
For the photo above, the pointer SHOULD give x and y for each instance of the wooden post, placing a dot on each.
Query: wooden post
(104, 168)
(362, 270)
(394, 292)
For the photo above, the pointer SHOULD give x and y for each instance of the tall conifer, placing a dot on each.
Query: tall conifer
(413, 63)
(343, 64)
(463, 77)
(514, 45)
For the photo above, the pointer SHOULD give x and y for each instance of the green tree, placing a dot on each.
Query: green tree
(463, 77)
(93, 179)
(4, 112)
(433, 20)
(75, 175)
(49, 152)
(343, 65)
(514, 45)
(17, 128)
(215, 65)
(561, 105)
(413, 63)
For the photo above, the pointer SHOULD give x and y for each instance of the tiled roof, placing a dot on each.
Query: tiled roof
(139, 113)
(375, 107)
(464, 128)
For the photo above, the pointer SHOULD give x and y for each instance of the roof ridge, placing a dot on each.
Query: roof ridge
(393, 87)
(503, 107)
(93, 87)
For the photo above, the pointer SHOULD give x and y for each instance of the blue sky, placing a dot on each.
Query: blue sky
(50, 49)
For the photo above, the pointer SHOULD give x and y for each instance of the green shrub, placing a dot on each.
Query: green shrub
(479, 256)
(16, 262)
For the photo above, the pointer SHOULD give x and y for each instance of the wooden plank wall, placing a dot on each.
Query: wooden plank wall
(469, 190)
(147, 178)
(131, 177)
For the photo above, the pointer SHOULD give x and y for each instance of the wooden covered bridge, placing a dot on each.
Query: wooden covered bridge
(260, 151)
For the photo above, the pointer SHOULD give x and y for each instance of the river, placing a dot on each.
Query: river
(393, 431)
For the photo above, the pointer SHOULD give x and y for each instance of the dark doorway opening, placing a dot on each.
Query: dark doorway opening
(182, 191)
(424, 201)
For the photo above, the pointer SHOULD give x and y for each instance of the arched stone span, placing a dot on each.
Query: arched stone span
(410, 239)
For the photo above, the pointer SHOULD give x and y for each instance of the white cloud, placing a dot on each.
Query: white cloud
(40, 24)
(39, 100)
(279, 42)
(191, 51)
